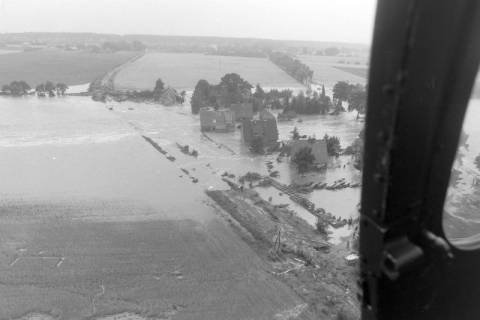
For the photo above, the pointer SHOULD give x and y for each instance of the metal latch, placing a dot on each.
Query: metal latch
(399, 256)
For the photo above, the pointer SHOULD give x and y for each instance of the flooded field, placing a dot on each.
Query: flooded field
(226, 152)
(91, 225)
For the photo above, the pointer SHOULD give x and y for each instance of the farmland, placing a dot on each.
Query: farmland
(358, 71)
(329, 70)
(70, 67)
(183, 70)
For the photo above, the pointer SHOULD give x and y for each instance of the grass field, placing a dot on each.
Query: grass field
(70, 67)
(328, 70)
(358, 71)
(183, 70)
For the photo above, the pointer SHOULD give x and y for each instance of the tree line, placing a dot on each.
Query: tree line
(314, 102)
(50, 88)
(234, 89)
(21, 88)
(354, 94)
(231, 89)
(159, 94)
(16, 88)
(294, 67)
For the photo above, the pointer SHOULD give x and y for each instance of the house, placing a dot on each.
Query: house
(318, 147)
(242, 111)
(168, 97)
(216, 120)
(263, 126)
(286, 116)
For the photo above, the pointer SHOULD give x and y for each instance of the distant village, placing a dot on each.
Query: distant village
(231, 105)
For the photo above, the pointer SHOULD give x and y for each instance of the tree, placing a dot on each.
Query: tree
(357, 99)
(6, 88)
(25, 86)
(256, 145)
(49, 87)
(259, 93)
(182, 96)
(159, 86)
(303, 159)
(323, 95)
(201, 96)
(61, 88)
(477, 161)
(295, 134)
(341, 91)
(19, 88)
(158, 89)
(333, 145)
(234, 89)
(40, 88)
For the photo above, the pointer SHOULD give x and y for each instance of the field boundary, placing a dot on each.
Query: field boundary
(108, 80)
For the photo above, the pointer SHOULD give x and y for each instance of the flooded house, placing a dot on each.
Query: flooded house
(287, 116)
(169, 97)
(221, 120)
(318, 147)
(242, 111)
(264, 125)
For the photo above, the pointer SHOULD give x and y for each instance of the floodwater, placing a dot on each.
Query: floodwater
(97, 222)
(226, 152)
(65, 144)
(463, 200)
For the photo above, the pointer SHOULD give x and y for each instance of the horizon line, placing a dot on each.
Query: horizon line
(185, 36)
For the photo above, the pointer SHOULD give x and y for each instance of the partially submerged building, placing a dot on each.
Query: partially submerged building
(263, 126)
(242, 111)
(168, 97)
(318, 147)
(216, 120)
(287, 116)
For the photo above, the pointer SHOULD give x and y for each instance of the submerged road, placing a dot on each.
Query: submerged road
(94, 222)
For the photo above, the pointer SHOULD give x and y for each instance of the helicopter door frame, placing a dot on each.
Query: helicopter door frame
(424, 61)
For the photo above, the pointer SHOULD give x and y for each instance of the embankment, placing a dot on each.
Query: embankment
(106, 83)
(298, 255)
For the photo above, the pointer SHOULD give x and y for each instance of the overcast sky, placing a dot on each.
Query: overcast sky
(322, 20)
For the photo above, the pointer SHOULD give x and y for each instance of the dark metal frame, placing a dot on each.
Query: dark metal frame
(424, 60)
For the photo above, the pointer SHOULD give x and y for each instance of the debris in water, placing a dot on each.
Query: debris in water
(352, 258)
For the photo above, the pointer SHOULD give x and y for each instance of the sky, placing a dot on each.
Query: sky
(315, 20)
